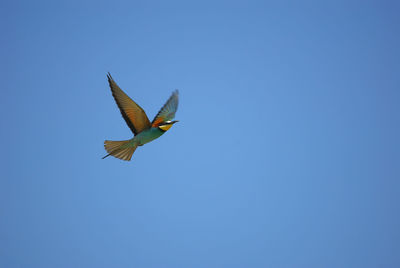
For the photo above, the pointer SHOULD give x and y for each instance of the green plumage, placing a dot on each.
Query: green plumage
(147, 136)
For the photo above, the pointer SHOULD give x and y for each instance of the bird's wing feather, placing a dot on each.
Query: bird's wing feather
(168, 111)
(133, 114)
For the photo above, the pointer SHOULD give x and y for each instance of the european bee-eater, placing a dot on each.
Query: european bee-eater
(137, 120)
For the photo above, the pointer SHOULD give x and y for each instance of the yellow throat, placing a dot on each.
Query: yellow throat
(165, 127)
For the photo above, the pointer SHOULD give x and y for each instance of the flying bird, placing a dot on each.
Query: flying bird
(137, 121)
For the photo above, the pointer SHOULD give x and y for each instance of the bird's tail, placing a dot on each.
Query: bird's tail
(120, 149)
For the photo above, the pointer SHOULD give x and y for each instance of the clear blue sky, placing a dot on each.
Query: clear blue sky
(287, 153)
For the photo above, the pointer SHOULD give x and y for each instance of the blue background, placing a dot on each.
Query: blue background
(286, 153)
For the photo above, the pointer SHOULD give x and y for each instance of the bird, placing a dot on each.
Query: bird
(135, 117)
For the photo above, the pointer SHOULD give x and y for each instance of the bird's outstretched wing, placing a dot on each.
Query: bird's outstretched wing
(168, 111)
(133, 114)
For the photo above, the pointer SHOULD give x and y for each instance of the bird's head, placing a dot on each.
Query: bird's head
(166, 125)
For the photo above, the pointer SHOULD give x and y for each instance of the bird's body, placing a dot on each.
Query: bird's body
(144, 131)
(147, 136)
